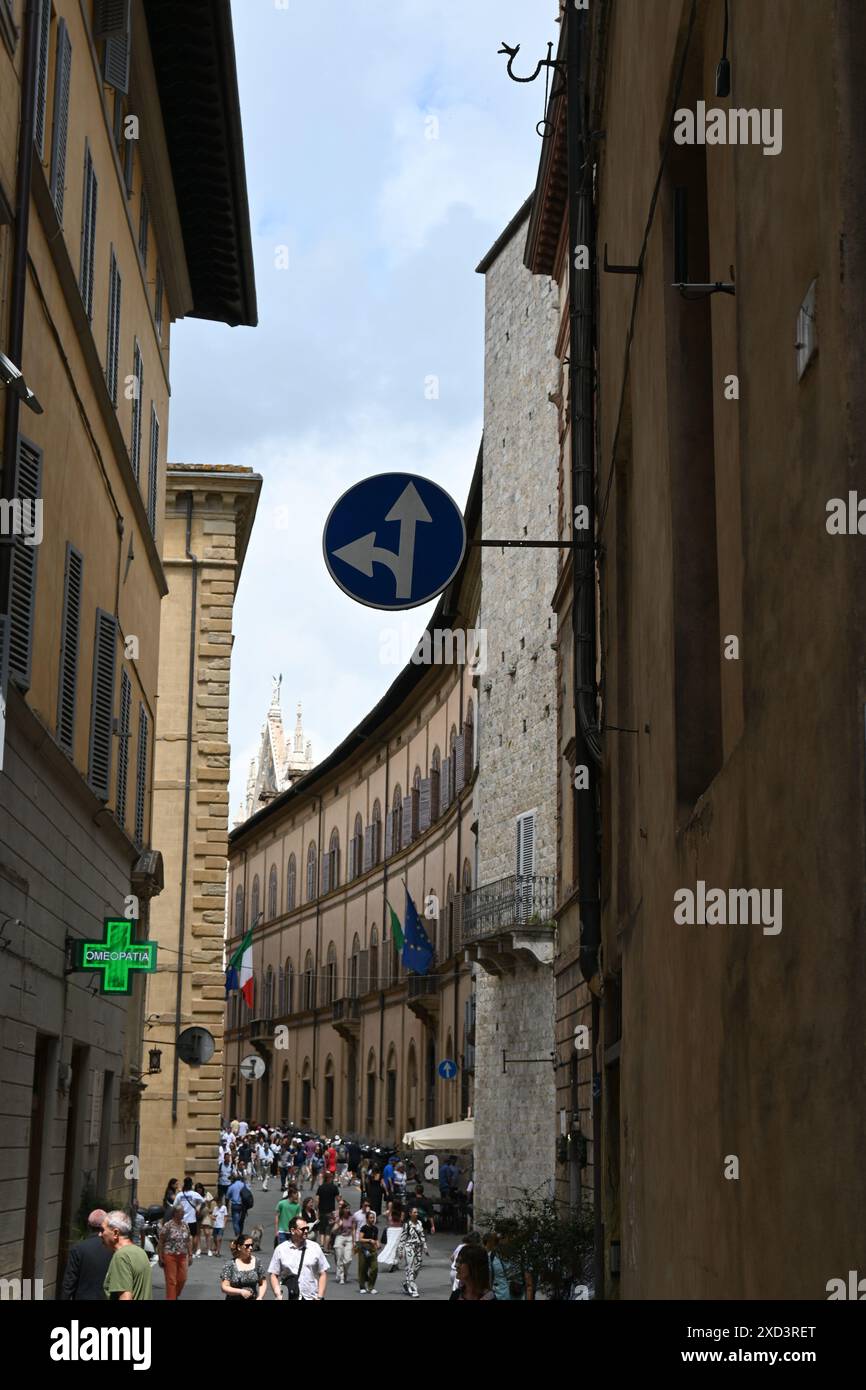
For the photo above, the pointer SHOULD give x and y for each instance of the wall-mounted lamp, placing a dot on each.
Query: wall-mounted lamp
(154, 1066)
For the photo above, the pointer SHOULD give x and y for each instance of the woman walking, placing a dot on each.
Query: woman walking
(205, 1222)
(173, 1251)
(473, 1276)
(170, 1197)
(242, 1278)
(310, 1213)
(393, 1231)
(413, 1244)
(342, 1231)
(220, 1216)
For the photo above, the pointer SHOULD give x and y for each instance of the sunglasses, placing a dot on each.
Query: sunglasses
(301, 1230)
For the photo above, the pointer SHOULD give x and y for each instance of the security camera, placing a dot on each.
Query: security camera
(12, 377)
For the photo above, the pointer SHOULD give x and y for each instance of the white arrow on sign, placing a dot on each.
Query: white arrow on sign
(361, 554)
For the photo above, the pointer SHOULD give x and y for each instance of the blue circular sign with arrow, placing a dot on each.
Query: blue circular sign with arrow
(447, 1070)
(394, 541)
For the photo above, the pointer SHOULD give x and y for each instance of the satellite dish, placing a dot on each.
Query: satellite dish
(252, 1067)
(195, 1046)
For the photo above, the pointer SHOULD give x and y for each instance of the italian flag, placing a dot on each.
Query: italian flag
(396, 929)
(240, 971)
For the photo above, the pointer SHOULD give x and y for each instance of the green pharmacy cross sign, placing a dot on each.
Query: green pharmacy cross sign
(118, 956)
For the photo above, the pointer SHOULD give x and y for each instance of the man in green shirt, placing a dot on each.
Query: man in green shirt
(128, 1278)
(287, 1210)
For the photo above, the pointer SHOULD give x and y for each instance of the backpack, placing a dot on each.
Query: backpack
(247, 1199)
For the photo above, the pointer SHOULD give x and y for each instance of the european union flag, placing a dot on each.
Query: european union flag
(417, 947)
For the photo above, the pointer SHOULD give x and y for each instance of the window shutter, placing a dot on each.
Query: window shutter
(110, 18)
(326, 873)
(22, 597)
(69, 637)
(526, 844)
(406, 827)
(364, 972)
(112, 352)
(115, 68)
(389, 834)
(88, 233)
(434, 795)
(368, 846)
(335, 867)
(152, 478)
(123, 748)
(135, 443)
(352, 870)
(445, 783)
(424, 805)
(61, 118)
(42, 76)
(141, 775)
(459, 764)
(102, 704)
(143, 228)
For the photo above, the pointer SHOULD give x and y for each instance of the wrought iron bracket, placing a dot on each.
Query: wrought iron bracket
(696, 292)
(557, 64)
(551, 1058)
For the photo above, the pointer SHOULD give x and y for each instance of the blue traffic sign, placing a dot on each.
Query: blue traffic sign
(394, 541)
(448, 1070)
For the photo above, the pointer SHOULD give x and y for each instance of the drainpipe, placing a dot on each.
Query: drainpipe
(15, 333)
(186, 800)
(583, 616)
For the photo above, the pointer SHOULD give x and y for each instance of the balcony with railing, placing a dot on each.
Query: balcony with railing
(509, 920)
(422, 996)
(346, 1017)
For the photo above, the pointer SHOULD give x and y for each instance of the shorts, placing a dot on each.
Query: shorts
(192, 1227)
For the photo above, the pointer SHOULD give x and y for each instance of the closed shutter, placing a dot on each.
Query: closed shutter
(22, 597)
(138, 389)
(424, 806)
(123, 748)
(364, 972)
(112, 23)
(445, 783)
(141, 775)
(406, 828)
(102, 704)
(88, 233)
(353, 873)
(110, 18)
(326, 873)
(526, 844)
(368, 846)
(112, 352)
(459, 764)
(60, 135)
(434, 795)
(44, 40)
(153, 475)
(69, 639)
(389, 834)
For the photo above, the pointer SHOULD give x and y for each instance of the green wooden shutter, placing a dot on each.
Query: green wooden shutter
(61, 118)
(69, 641)
(102, 704)
(23, 584)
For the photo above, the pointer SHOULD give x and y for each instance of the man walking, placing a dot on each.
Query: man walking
(302, 1266)
(128, 1278)
(87, 1264)
(237, 1205)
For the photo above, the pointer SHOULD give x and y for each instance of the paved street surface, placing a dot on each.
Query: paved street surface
(434, 1281)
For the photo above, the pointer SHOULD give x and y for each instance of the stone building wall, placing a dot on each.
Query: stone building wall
(515, 1098)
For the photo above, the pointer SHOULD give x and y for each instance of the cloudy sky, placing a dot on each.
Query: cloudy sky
(385, 150)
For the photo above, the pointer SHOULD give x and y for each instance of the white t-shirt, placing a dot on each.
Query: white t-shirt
(190, 1203)
(219, 1216)
(360, 1218)
(242, 1128)
(287, 1258)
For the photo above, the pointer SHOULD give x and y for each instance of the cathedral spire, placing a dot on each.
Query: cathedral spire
(299, 732)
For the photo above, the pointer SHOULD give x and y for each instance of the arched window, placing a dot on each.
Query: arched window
(311, 872)
(254, 904)
(435, 771)
(356, 848)
(281, 991)
(416, 779)
(269, 992)
(329, 1094)
(289, 987)
(450, 910)
(395, 824)
(377, 832)
(391, 1090)
(272, 893)
(354, 964)
(239, 910)
(331, 975)
(371, 1094)
(452, 764)
(309, 1000)
(374, 957)
(291, 883)
(331, 864)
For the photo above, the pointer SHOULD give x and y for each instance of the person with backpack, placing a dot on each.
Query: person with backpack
(240, 1201)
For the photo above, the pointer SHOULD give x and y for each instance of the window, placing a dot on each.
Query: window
(311, 873)
(69, 638)
(143, 228)
(455, 765)
(153, 474)
(331, 975)
(306, 1094)
(374, 958)
(272, 892)
(269, 993)
(137, 397)
(112, 350)
(394, 827)
(59, 139)
(331, 864)
(23, 582)
(469, 741)
(309, 1001)
(356, 848)
(159, 296)
(44, 41)
(88, 233)
(449, 918)
(111, 22)
(291, 883)
(391, 1091)
(526, 844)
(239, 910)
(123, 747)
(141, 784)
(354, 967)
(289, 987)
(254, 904)
(102, 704)
(373, 838)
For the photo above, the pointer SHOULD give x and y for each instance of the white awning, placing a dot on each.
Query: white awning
(457, 1138)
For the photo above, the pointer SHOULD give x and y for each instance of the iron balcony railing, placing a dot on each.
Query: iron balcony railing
(522, 900)
(421, 986)
(346, 1010)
